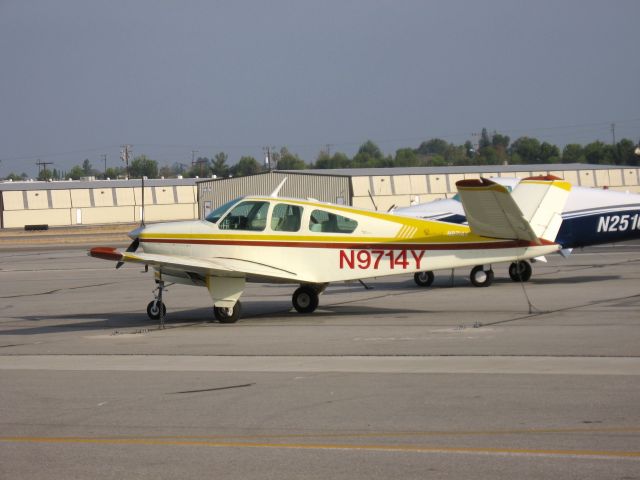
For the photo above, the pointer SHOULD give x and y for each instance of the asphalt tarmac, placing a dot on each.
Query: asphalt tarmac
(396, 381)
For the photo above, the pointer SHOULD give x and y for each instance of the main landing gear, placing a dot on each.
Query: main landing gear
(305, 299)
(520, 271)
(423, 279)
(480, 277)
(228, 315)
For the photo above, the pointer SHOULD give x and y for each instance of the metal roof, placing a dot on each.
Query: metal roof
(367, 172)
(75, 184)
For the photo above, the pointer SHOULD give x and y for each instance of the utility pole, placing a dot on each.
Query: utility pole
(104, 158)
(328, 147)
(268, 151)
(125, 155)
(42, 166)
(613, 133)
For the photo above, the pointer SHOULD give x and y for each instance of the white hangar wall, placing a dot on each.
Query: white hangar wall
(120, 201)
(96, 202)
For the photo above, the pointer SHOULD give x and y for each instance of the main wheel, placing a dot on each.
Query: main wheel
(228, 314)
(520, 271)
(423, 279)
(153, 309)
(480, 277)
(305, 299)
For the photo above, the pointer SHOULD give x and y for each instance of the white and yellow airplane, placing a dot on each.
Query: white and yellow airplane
(306, 242)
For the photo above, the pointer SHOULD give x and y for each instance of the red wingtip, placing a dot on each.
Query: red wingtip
(475, 182)
(106, 253)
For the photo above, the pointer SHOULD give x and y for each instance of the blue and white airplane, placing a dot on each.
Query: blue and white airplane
(591, 216)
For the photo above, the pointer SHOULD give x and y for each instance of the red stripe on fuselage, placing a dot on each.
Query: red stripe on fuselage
(346, 245)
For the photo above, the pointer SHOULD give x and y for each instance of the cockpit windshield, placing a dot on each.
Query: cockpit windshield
(217, 214)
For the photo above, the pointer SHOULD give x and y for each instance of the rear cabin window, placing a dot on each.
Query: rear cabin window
(251, 215)
(321, 221)
(286, 218)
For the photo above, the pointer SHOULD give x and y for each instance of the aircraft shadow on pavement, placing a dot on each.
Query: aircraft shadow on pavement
(255, 311)
(105, 321)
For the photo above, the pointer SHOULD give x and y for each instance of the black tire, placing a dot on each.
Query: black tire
(153, 310)
(480, 277)
(423, 279)
(305, 299)
(228, 315)
(520, 271)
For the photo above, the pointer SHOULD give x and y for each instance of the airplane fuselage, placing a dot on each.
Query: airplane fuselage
(348, 244)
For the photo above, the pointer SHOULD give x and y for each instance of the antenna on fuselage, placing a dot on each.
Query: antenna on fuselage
(142, 208)
(274, 194)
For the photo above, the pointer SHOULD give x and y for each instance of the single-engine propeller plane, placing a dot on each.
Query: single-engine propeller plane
(310, 243)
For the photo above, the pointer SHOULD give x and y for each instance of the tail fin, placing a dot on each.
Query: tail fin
(541, 200)
(531, 215)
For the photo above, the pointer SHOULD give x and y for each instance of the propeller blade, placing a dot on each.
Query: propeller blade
(131, 248)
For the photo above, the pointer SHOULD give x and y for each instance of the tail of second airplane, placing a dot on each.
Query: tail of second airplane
(532, 212)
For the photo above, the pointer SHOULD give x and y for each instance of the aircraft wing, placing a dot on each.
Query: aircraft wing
(217, 267)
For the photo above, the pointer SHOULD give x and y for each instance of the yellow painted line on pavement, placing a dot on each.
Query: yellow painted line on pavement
(347, 447)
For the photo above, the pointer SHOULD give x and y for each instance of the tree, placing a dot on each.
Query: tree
(337, 160)
(435, 146)
(246, 166)
(219, 165)
(485, 141)
(488, 156)
(406, 157)
(142, 166)
(498, 140)
(45, 174)
(370, 156)
(114, 172)
(625, 153)
(76, 172)
(549, 153)
(14, 177)
(201, 168)
(290, 161)
(572, 153)
(87, 168)
(527, 149)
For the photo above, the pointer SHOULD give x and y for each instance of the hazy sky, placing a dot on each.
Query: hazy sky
(79, 78)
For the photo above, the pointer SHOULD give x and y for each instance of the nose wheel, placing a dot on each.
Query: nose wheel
(155, 309)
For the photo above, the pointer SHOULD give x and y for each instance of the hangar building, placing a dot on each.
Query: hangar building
(65, 203)
(382, 188)
(68, 203)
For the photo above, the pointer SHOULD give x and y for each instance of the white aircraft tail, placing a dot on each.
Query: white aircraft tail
(531, 213)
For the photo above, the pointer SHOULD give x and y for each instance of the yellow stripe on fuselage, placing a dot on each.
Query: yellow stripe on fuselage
(555, 183)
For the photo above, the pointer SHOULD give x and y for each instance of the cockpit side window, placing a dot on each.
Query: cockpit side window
(286, 218)
(250, 215)
(217, 214)
(322, 221)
